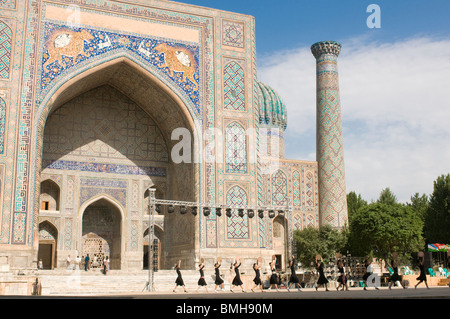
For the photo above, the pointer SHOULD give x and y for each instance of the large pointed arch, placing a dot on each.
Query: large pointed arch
(167, 107)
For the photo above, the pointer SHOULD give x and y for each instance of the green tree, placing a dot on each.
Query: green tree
(419, 204)
(383, 229)
(354, 202)
(437, 219)
(387, 197)
(311, 241)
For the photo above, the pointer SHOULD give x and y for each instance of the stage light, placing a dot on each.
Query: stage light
(206, 211)
(241, 212)
(260, 213)
(183, 210)
(250, 213)
(219, 211)
(170, 209)
(271, 213)
(281, 213)
(194, 210)
(228, 212)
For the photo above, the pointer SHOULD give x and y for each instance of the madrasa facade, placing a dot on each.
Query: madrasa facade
(104, 102)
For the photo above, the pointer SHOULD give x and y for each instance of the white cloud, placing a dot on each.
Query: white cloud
(395, 100)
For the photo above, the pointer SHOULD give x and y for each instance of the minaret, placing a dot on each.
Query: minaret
(329, 139)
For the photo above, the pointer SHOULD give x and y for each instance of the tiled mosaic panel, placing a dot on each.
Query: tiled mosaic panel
(102, 124)
(233, 34)
(237, 226)
(296, 191)
(234, 87)
(8, 4)
(5, 50)
(235, 149)
(2, 125)
(279, 188)
(66, 48)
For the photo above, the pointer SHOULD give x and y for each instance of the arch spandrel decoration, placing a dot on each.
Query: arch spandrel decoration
(64, 48)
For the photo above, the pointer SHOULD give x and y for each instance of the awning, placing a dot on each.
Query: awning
(438, 247)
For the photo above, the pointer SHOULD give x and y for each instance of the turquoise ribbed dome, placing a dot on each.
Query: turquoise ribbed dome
(272, 110)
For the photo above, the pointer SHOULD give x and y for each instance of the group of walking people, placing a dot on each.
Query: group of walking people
(393, 279)
(274, 280)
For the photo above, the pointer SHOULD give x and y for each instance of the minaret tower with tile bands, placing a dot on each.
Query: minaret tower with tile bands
(329, 137)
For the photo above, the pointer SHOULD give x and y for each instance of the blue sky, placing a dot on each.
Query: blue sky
(394, 84)
(287, 24)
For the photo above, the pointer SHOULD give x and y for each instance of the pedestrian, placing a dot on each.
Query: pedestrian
(293, 279)
(422, 277)
(395, 276)
(179, 281)
(68, 263)
(237, 278)
(86, 262)
(40, 264)
(342, 279)
(78, 263)
(257, 279)
(274, 277)
(218, 281)
(105, 265)
(322, 281)
(202, 281)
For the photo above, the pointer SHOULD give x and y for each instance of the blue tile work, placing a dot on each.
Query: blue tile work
(105, 168)
(5, 49)
(77, 45)
(8, 4)
(2, 125)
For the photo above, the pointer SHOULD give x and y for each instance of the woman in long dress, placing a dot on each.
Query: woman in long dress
(218, 281)
(342, 280)
(274, 277)
(257, 279)
(179, 281)
(237, 278)
(293, 279)
(322, 279)
(422, 277)
(201, 280)
(395, 276)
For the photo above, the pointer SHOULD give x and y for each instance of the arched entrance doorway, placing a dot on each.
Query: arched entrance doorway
(108, 132)
(101, 233)
(48, 236)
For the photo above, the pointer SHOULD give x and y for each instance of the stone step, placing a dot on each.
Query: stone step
(92, 282)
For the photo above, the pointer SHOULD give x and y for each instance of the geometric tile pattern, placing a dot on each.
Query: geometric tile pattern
(234, 87)
(330, 148)
(237, 226)
(106, 126)
(2, 124)
(233, 34)
(279, 188)
(296, 188)
(235, 149)
(8, 4)
(5, 50)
